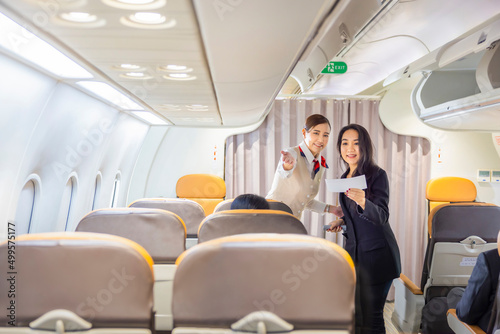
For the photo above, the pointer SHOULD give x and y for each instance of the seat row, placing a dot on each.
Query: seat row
(163, 233)
(193, 214)
(94, 283)
(458, 229)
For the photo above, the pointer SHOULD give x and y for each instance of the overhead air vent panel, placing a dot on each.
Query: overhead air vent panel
(341, 27)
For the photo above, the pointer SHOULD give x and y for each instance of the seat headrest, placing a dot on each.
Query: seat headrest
(233, 222)
(200, 186)
(450, 189)
(162, 233)
(104, 279)
(273, 205)
(191, 212)
(308, 282)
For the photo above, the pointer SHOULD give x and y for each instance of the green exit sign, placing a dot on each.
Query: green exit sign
(335, 67)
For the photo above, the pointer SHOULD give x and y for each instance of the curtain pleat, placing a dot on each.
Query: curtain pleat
(251, 161)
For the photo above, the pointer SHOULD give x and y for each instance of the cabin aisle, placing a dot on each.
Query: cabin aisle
(390, 328)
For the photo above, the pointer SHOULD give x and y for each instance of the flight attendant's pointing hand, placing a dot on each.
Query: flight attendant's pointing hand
(288, 160)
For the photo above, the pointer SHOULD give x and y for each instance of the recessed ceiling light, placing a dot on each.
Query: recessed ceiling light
(180, 76)
(175, 68)
(79, 19)
(65, 4)
(128, 67)
(147, 20)
(136, 75)
(136, 4)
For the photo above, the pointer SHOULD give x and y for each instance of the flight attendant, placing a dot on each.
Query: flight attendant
(369, 237)
(300, 170)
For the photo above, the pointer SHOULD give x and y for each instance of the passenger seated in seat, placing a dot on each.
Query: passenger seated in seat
(249, 201)
(475, 302)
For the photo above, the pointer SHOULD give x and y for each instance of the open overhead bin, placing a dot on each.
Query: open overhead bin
(462, 92)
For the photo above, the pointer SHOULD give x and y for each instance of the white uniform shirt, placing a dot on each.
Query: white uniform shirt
(295, 187)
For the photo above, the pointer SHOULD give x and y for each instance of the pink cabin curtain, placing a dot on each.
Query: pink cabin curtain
(251, 161)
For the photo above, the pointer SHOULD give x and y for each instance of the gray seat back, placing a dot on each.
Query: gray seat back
(190, 212)
(160, 232)
(104, 279)
(273, 205)
(231, 222)
(307, 281)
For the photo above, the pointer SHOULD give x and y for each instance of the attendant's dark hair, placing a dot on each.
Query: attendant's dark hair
(315, 119)
(249, 201)
(366, 164)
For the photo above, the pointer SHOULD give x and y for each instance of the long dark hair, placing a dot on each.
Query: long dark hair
(366, 164)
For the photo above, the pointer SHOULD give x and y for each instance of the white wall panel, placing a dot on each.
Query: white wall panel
(166, 156)
(52, 130)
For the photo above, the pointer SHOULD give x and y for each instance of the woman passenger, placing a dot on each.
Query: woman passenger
(369, 237)
(300, 170)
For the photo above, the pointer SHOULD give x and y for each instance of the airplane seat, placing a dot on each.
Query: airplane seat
(161, 233)
(76, 282)
(273, 205)
(457, 232)
(308, 286)
(191, 213)
(205, 189)
(231, 222)
(447, 189)
(461, 327)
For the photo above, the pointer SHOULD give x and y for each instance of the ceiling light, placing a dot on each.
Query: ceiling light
(110, 94)
(175, 68)
(80, 17)
(21, 42)
(149, 117)
(71, 3)
(136, 75)
(128, 67)
(180, 76)
(147, 20)
(136, 4)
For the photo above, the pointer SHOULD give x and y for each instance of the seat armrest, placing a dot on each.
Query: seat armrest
(460, 327)
(410, 285)
(408, 304)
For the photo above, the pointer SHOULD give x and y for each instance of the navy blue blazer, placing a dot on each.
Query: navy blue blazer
(477, 301)
(369, 237)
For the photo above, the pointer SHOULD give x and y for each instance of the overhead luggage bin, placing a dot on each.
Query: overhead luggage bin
(462, 91)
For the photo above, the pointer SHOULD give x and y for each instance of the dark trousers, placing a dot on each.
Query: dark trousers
(370, 301)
